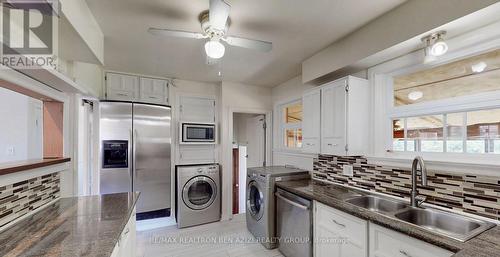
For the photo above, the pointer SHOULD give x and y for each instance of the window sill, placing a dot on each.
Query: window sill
(464, 164)
(19, 166)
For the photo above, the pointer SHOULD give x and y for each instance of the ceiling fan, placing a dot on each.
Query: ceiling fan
(214, 25)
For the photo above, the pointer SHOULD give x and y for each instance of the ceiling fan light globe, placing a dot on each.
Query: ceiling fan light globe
(214, 49)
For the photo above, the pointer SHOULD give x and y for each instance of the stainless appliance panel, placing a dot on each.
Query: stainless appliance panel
(115, 124)
(294, 224)
(151, 158)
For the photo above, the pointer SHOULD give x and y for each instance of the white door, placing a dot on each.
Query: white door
(256, 136)
(333, 119)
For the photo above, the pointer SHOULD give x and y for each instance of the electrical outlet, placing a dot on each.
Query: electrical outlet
(348, 170)
(11, 151)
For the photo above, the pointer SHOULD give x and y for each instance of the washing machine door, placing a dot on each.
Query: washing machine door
(255, 200)
(199, 192)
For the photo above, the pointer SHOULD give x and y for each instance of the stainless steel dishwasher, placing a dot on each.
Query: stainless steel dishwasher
(294, 224)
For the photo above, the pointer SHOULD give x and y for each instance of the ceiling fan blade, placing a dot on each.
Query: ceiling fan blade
(176, 33)
(249, 43)
(218, 14)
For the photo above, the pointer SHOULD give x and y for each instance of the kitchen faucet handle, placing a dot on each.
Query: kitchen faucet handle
(420, 199)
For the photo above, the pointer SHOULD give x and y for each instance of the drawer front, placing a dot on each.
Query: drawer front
(355, 230)
(310, 145)
(388, 243)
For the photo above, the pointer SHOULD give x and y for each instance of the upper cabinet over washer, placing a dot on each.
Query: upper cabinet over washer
(343, 107)
(125, 87)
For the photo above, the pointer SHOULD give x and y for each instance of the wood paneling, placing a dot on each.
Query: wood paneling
(53, 129)
(12, 167)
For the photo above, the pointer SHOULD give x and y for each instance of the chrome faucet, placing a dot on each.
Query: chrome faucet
(418, 161)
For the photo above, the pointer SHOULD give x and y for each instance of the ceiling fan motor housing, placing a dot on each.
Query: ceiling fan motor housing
(210, 31)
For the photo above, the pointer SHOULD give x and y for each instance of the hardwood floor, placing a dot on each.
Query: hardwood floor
(220, 239)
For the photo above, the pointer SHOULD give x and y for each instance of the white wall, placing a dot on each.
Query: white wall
(289, 91)
(21, 128)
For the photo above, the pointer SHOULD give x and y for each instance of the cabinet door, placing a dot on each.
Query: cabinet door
(338, 234)
(388, 243)
(121, 87)
(153, 91)
(197, 109)
(333, 119)
(311, 122)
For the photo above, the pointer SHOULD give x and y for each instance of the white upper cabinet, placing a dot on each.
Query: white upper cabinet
(153, 91)
(344, 117)
(196, 109)
(311, 130)
(124, 87)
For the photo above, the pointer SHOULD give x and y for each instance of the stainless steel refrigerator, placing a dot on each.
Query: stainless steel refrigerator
(135, 152)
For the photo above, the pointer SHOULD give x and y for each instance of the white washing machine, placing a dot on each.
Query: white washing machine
(261, 203)
(198, 195)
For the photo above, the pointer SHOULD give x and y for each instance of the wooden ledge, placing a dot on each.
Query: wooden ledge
(13, 167)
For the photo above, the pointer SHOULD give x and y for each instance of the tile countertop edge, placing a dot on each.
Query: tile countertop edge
(486, 244)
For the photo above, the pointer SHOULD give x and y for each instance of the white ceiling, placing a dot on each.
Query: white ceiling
(297, 28)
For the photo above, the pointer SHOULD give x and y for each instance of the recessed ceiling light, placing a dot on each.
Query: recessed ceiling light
(479, 67)
(415, 95)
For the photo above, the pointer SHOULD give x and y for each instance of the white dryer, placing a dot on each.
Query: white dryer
(198, 195)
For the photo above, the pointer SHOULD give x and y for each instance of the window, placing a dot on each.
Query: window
(291, 125)
(473, 75)
(474, 132)
(451, 108)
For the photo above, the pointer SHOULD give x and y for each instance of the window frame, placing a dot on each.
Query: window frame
(381, 76)
(283, 126)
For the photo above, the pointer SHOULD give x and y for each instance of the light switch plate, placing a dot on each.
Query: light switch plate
(347, 170)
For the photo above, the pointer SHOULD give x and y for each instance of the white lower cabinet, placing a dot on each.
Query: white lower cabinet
(338, 234)
(127, 242)
(389, 243)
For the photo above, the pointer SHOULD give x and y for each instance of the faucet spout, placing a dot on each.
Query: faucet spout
(417, 165)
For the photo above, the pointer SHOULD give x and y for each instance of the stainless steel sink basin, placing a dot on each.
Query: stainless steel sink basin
(378, 204)
(449, 224)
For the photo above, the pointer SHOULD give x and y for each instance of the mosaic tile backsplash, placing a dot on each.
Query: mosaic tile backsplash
(21, 198)
(479, 195)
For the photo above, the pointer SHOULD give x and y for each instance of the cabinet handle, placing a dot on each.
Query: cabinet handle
(126, 231)
(340, 224)
(121, 94)
(152, 97)
(332, 144)
(404, 253)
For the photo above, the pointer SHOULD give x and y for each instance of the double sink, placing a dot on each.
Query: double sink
(448, 224)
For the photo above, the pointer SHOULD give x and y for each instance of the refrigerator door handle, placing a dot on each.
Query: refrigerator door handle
(134, 148)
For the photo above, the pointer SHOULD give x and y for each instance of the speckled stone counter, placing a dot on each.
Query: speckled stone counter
(486, 244)
(75, 226)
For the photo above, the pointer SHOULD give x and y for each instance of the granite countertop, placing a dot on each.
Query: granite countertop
(486, 244)
(74, 226)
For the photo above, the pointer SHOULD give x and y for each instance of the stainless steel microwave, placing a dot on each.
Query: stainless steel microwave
(197, 133)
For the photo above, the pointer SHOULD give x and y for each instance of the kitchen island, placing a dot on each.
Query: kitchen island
(102, 225)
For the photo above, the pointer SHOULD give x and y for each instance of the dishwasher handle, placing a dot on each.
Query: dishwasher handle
(298, 205)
